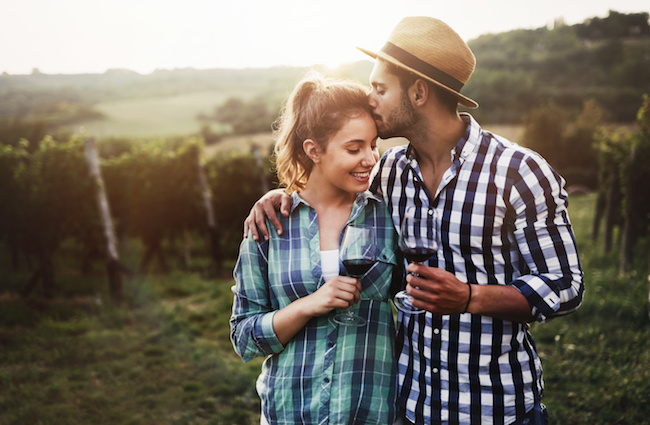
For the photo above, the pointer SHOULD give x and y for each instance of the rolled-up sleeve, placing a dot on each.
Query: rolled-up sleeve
(554, 284)
(251, 322)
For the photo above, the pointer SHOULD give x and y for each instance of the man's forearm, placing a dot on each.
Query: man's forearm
(501, 302)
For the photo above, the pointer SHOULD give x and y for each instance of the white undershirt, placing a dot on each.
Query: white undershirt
(329, 261)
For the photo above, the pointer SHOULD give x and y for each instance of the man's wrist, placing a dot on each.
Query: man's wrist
(469, 298)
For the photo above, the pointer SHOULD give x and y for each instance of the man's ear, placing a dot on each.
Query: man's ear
(311, 150)
(420, 92)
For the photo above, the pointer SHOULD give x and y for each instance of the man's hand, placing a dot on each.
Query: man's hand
(438, 291)
(264, 208)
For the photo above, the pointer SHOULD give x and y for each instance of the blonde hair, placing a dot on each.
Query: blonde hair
(317, 108)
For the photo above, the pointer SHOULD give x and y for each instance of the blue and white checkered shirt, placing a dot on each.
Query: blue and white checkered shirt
(503, 221)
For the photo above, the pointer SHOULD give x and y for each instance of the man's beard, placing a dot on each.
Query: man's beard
(399, 121)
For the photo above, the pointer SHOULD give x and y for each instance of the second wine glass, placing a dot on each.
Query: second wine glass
(418, 241)
(358, 254)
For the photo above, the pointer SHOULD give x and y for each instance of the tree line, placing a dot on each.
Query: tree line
(604, 59)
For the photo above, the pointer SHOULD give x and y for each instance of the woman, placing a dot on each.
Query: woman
(289, 287)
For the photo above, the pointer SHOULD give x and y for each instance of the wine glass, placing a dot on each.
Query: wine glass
(418, 241)
(358, 253)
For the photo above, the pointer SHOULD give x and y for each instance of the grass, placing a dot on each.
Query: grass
(164, 357)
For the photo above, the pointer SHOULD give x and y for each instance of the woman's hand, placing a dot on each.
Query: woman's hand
(338, 292)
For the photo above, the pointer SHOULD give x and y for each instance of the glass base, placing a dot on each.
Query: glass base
(349, 319)
(403, 302)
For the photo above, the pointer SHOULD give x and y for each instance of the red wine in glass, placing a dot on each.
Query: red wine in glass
(357, 267)
(358, 253)
(418, 241)
(418, 255)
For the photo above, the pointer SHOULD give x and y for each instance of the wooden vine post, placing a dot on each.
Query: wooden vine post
(213, 231)
(260, 166)
(112, 258)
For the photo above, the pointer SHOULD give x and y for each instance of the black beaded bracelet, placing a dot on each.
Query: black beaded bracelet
(470, 297)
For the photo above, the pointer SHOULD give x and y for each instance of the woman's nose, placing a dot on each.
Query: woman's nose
(370, 158)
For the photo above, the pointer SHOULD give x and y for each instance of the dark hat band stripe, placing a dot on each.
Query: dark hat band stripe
(419, 65)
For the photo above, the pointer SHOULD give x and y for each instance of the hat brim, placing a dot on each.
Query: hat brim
(463, 100)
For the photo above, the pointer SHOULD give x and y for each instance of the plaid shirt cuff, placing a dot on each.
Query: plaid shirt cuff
(264, 335)
(542, 300)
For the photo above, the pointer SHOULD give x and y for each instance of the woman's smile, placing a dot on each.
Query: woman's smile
(364, 176)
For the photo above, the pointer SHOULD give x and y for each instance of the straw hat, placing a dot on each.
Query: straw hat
(433, 50)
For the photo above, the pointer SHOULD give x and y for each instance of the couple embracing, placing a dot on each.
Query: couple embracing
(507, 255)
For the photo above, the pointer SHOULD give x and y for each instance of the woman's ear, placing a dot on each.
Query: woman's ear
(311, 150)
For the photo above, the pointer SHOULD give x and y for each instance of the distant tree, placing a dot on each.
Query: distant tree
(209, 136)
(568, 144)
(615, 25)
(544, 133)
(500, 89)
(246, 117)
(580, 162)
(633, 68)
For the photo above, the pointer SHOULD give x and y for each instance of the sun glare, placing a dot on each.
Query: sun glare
(248, 33)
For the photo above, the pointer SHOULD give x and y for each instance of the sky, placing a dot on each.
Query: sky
(92, 36)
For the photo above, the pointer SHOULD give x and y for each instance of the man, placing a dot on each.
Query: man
(508, 253)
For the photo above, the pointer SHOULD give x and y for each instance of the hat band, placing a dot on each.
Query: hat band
(419, 65)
